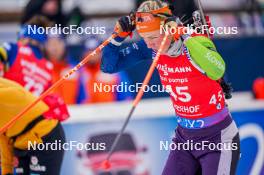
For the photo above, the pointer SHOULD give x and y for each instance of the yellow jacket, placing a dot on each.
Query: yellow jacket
(13, 99)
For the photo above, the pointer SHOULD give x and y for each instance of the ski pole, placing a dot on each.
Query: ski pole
(106, 164)
(56, 84)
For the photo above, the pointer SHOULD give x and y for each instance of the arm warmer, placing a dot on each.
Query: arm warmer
(204, 54)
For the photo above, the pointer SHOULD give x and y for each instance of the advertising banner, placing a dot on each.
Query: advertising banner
(143, 148)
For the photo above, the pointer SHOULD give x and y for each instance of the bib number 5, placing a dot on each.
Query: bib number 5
(181, 94)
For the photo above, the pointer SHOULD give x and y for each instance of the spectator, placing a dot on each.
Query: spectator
(92, 76)
(52, 9)
(24, 63)
(57, 54)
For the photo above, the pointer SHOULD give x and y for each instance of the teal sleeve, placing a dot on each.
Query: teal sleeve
(204, 54)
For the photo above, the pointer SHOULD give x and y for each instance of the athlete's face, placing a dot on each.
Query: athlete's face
(154, 39)
(55, 48)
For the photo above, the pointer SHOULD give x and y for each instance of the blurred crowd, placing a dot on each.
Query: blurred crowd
(79, 88)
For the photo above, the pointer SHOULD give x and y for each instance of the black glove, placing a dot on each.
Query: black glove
(227, 88)
(125, 25)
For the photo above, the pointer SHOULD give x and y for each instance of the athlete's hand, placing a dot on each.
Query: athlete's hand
(125, 25)
(175, 27)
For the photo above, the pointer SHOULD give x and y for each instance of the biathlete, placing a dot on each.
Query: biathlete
(24, 63)
(189, 67)
(22, 138)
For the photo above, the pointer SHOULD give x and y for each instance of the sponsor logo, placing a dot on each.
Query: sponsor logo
(166, 70)
(34, 165)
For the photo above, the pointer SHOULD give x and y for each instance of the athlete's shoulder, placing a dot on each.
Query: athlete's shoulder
(13, 93)
(205, 41)
(5, 83)
(147, 52)
(10, 91)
